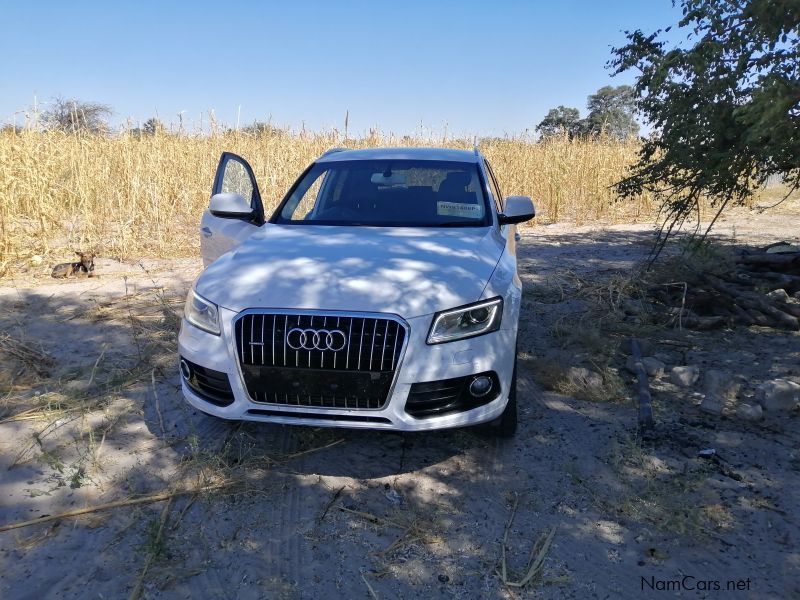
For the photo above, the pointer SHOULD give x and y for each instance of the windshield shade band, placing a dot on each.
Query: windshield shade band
(492, 323)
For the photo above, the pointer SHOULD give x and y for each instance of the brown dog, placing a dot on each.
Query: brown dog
(83, 268)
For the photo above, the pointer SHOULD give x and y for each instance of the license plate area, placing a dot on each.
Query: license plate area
(322, 388)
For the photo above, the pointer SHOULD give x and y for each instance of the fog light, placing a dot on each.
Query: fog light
(480, 386)
(186, 370)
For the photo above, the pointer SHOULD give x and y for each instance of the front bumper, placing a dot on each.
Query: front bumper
(420, 363)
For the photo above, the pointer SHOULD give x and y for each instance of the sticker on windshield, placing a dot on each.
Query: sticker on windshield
(457, 209)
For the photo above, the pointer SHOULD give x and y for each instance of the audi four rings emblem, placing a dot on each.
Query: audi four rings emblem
(316, 339)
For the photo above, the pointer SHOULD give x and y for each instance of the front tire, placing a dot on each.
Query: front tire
(505, 426)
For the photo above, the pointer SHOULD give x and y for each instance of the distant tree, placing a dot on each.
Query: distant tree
(11, 128)
(563, 120)
(153, 126)
(261, 128)
(611, 111)
(724, 104)
(71, 115)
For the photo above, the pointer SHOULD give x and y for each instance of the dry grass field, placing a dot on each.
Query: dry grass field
(143, 196)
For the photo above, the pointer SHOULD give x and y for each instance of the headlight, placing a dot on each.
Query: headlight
(466, 321)
(201, 313)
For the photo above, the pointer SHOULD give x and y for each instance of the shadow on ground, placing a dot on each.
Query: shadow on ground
(337, 513)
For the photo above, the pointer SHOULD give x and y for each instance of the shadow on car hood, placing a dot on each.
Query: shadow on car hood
(406, 271)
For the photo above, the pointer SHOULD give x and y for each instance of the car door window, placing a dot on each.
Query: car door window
(234, 175)
(236, 179)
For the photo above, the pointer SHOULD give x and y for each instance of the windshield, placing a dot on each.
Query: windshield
(388, 193)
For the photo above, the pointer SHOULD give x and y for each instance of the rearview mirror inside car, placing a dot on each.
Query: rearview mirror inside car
(390, 179)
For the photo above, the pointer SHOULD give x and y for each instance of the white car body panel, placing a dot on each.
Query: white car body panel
(403, 273)
(421, 362)
(218, 235)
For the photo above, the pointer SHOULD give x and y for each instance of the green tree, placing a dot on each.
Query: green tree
(563, 120)
(153, 126)
(611, 111)
(73, 116)
(724, 104)
(262, 128)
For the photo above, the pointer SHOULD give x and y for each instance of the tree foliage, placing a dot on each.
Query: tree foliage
(153, 126)
(724, 104)
(563, 120)
(611, 111)
(262, 128)
(73, 116)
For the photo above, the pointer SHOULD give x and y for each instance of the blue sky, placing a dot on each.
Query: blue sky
(484, 68)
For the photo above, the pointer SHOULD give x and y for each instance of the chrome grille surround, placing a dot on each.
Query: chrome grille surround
(361, 375)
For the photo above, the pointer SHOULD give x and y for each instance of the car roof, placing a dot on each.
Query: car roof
(442, 154)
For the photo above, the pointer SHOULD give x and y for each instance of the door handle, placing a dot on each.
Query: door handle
(206, 232)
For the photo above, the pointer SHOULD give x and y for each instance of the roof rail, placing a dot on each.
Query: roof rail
(332, 150)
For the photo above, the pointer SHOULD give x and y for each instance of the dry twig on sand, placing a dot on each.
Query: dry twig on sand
(160, 497)
(413, 531)
(136, 592)
(32, 358)
(536, 558)
(330, 503)
(158, 405)
(310, 451)
(369, 587)
(372, 518)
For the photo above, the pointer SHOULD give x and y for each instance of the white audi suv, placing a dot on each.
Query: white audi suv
(382, 293)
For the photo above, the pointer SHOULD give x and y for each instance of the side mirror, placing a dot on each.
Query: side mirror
(229, 205)
(518, 209)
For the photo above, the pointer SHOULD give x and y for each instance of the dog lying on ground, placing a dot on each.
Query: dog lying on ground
(83, 268)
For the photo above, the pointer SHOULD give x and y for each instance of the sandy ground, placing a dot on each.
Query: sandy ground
(327, 513)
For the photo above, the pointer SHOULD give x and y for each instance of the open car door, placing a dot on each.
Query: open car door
(235, 211)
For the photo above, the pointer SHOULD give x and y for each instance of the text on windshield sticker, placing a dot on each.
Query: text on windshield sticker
(457, 209)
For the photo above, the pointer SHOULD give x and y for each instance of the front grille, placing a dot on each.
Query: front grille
(373, 344)
(323, 361)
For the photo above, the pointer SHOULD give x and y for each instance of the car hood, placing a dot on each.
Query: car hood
(405, 271)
